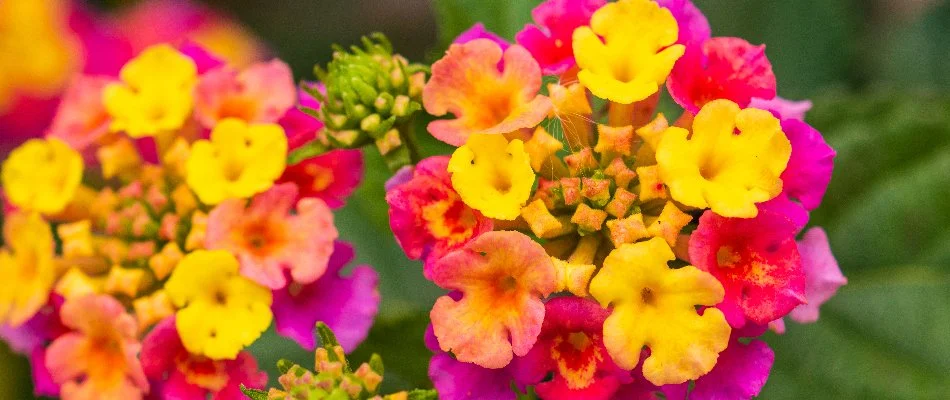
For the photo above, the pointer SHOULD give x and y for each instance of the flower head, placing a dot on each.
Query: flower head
(331, 177)
(81, 119)
(267, 239)
(27, 264)
(48, 189)
(822, 275)
(571, 345)
(550, 40)
(262, 93)
(220, 311)
(635, 55)
(155, 94)
(732, 159)
(756, 260)
(501, 276)
(239, 161)
(347, 304)
(655, 306)
(97, 359)
(725, 68)
(485, 99)
(177, 374)
(428, 216)
(492, 175)
(809, 168)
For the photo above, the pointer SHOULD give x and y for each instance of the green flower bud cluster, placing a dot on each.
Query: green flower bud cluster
(371, 95)
(332, 378)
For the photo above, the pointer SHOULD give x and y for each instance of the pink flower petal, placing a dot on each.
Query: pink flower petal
(809, 168)
(822, 275)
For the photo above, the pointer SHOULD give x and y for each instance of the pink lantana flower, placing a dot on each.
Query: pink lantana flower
(456, 380)
(550, 40)
(726, 68)
(502, 276)
(756, 260)
(176, 374)
(268, 239)
(809, 168)
(347, 304)
(331, 177)
(262, 93)
(484, 97)
(478, 31)
(782, 108)
(822, 275)
(97, 359)
(571, 346)
(81, 119)
(427, 216)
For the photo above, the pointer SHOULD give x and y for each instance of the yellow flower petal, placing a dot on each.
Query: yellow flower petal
(655, 306)
(42, 175)
(732, 160)
(492, 175)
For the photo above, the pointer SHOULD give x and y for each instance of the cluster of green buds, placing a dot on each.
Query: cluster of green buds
(333, 378)
(371, 96)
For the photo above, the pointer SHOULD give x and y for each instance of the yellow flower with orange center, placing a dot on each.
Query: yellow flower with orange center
(655, 306)
(731, 160)
(636, 54)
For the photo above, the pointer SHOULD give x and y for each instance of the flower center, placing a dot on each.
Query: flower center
(726, 257)
(647, 296)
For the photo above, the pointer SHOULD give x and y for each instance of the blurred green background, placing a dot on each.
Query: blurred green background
(878, 72)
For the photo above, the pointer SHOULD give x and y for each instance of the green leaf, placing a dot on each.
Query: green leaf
(884, 336)
(254, 394)
(504, 17)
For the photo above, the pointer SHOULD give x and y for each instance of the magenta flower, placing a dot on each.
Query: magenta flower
(550, 40)
(267, 239)
(301, 127)
(176, 374)
(822, 275)
(478, 31)
(346, 304)
(756, 260)
(809, 168)
(331, 177)
(427, 216)
(740, 372)
(726, 68)
(571, 347)
(694, 28)
(456, 380)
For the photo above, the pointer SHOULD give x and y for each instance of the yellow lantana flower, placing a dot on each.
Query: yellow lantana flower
(492, 175)
(637, 52)
(239, 161)
(155, 94)
(27, 267)
(42, 175)
(732, 160)
(655, 306)
(220, 311)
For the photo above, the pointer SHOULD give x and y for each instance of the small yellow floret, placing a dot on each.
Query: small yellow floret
(492, 175)
(42, 175)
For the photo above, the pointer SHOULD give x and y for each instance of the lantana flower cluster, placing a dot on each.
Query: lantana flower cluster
(590, 246)
(158, 230)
